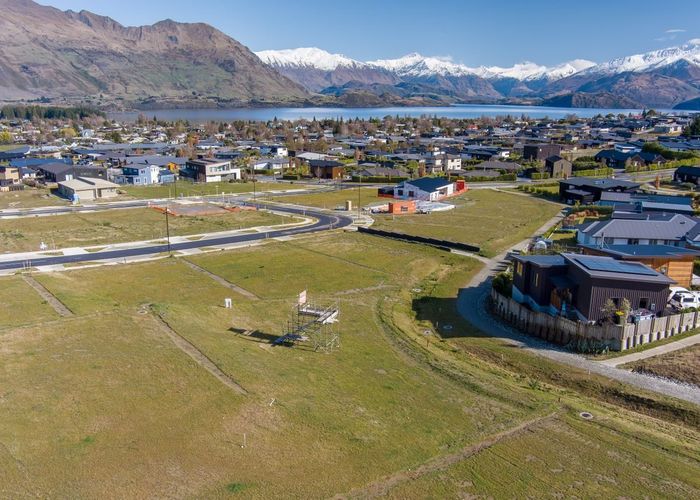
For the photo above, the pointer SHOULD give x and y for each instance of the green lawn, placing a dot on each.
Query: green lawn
(104, 405)
(185, 188)
(21, 304)
(334, 199)
(30, 198)
(491, 220)
(116, 226)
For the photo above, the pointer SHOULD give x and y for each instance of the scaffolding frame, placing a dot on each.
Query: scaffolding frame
(314, 323)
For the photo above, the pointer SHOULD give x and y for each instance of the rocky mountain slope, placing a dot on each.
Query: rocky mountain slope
(48, 52)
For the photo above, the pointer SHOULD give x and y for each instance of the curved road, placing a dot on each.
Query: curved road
(324, 221)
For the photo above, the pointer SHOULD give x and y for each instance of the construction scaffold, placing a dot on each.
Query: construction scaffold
(312, 323)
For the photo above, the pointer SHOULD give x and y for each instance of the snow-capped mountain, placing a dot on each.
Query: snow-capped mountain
(660, 78)
(649, 61)
(310, 57)
(421, 66)
(317, 69)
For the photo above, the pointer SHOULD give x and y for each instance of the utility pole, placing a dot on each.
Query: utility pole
(167, 227)
(359, 196)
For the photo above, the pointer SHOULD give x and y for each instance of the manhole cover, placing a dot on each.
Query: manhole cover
(427, 332)
(585, 415)
(417, 290)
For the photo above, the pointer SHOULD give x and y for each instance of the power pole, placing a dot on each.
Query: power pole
(359, 196)
(167, 227)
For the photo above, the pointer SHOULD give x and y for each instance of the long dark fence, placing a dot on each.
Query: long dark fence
(420, 239)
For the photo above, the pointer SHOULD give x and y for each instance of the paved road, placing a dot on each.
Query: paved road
(471, 304)
(324, 221)
(654, 351)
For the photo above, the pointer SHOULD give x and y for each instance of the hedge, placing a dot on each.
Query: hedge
(379, 178)
(595, 172)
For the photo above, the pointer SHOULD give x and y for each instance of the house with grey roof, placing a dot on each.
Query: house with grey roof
(674, 229)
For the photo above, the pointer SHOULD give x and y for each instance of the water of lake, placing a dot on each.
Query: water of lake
(456, 111)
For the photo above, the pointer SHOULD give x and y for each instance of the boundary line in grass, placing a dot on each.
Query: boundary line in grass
(198, 356)
(222, 281)
(383, 486)
(49, 297)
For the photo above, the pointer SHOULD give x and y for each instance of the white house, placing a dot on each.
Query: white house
(425, 189)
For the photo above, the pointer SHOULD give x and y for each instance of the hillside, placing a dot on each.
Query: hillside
(47, 52)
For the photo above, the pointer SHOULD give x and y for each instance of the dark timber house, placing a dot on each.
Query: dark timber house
(580, 285)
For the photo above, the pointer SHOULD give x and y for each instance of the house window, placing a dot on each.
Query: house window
(519, 269)
(537, 279)
(633, 241)
(644, 303)
(653, 242)
(616, 301)
(400, 192)
(608, 241)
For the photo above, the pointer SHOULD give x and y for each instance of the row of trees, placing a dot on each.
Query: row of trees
(48, 113)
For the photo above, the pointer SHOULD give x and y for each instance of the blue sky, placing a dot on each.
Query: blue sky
(473, 32)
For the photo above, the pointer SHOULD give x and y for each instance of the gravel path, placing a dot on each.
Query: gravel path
(471, 304)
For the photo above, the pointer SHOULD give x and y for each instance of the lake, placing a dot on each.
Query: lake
(456, 111)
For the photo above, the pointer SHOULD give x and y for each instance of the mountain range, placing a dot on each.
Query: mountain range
(663, 78)
(79, 57)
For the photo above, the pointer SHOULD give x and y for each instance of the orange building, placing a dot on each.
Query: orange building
(402, 207)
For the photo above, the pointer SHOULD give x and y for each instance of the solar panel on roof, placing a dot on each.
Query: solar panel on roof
(615, 266)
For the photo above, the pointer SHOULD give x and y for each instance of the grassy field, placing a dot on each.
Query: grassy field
(115, 226)
(333, 199)
(190, 189)
(21, 304)
(104, 403)
(682, 365)
(492, 220)
(30, 198)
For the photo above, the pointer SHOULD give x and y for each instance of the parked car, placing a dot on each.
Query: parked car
(683, 300)
(675, 289)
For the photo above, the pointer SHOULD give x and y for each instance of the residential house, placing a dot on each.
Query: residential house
(278, 164)
(647, 229)
(612, 158)
(674, 262)
(327, 169)
(210, 170)
(647, 202)
(687, 174)
(274, 150)
(87, 189)
(586, 190)
(428, 189)
(558, 167)
(580, 285)
(9, 175)
(143, 175)
(57, 172)
(539, 152)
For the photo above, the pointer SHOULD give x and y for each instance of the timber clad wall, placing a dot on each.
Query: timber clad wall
(560, 330)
